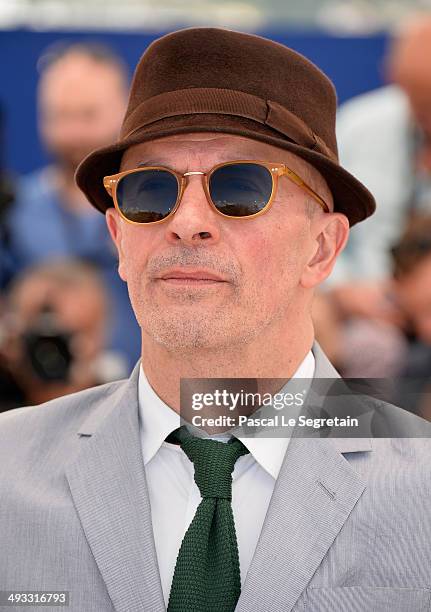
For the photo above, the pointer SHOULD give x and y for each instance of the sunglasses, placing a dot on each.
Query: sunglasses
(236, 189)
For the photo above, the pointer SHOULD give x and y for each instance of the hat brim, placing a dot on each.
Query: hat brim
(351, 197)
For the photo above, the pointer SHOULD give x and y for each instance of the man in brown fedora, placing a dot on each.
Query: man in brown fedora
(227, 206)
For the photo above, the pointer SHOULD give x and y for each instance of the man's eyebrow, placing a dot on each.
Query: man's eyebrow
(149, 162)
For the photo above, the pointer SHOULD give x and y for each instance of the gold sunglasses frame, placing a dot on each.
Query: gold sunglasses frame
(277, 170)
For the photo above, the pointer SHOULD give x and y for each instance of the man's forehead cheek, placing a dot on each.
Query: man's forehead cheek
(266, 243)
(202, 149)
(134, 238)
(128, 158)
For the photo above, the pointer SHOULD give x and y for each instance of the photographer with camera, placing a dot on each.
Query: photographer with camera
(52, 334)
(81, 99)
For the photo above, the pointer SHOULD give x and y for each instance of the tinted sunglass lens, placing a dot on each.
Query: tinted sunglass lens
(147, 196)
(240, 190)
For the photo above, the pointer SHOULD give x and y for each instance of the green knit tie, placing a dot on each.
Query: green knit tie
(207, 576)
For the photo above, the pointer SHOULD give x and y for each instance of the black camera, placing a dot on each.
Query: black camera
(47, 347)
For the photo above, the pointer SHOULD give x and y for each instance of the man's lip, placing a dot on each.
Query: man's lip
(196, 275)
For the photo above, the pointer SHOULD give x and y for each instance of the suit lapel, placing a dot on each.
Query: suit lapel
(315, 492)
(108, 486)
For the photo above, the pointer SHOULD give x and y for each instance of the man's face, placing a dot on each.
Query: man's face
(414, 296)
(81, 105)
(202, 280)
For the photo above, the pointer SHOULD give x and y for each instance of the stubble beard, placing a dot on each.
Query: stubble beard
(225, 319)
(194, 323)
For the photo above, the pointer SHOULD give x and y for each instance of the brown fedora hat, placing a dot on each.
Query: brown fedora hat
(216, 80)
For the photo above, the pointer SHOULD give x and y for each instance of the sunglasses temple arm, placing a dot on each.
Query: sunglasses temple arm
(316, 197)
(298, 181)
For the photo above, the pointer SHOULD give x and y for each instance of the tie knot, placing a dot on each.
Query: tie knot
(213, 461)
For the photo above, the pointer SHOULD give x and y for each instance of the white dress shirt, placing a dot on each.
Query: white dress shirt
(174, 495)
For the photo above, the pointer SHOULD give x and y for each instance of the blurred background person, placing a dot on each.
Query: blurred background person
(82, 93)
(385, 139)
(53, 327)
(361, 347)
(7, 197)
(373, 348)
(412, 272)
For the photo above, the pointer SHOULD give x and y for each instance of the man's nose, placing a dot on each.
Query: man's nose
(195, 220)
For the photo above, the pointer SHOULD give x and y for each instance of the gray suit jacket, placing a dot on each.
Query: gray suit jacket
(348, 528)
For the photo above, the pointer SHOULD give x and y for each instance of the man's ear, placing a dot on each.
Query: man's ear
(330, 232)
(114, 223)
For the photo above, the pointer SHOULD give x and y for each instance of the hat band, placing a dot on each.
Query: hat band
(224, 102)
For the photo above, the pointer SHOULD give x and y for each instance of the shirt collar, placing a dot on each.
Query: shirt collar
(269, 452)
(158, 420)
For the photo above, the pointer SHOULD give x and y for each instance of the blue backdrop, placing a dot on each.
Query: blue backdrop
(354, 64)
